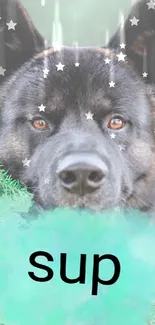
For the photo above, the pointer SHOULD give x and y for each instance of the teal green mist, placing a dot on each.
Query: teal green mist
(130, 237)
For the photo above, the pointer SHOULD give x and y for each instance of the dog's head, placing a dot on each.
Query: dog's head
(77, 124)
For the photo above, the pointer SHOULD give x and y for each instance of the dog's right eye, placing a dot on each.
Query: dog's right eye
(40, 124)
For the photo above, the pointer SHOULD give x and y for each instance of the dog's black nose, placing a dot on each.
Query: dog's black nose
(82, 174)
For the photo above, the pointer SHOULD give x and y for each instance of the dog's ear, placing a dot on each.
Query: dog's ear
(138, 34)
(19, 39)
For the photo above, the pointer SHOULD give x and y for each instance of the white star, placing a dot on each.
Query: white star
(77, 64)
(145, 74)
(46, 71)
(113, 136)
(11, 25)
(121, 56)
(122, 45)
(134, 21)
(151, 4)
(122, 147)
(112, 84)
(41, 108)
(2, 71)
(26, 162)
(60, 66)
(89, 116)
(107, 61)
(47, 181)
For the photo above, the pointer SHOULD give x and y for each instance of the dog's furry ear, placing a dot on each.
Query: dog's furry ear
(19, 39)
(139, 37)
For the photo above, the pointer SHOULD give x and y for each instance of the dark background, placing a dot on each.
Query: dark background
(85, 21)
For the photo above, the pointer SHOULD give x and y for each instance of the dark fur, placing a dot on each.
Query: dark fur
(68, 95)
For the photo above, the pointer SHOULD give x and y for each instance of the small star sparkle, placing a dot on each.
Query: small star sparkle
(11, 25)
(145, 74)
(122, 46)
(89, 116)
(121, 56)
(46, 72)
(41, 108)
(151, 4)
(60, 66)
(2, 71)
(134, 21)
(26, 162)
(47, 181)
(112, 84)
(107, 61)
(112, 136)
(122, 147)
(77, 64)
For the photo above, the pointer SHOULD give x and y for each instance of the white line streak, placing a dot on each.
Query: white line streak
(43, 2)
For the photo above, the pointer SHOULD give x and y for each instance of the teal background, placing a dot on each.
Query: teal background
(84, 20)
(130, 237)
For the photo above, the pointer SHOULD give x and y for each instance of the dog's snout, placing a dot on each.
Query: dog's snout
(81, 179)
(82, 174)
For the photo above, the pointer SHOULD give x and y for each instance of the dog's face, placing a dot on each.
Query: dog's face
(72, 138)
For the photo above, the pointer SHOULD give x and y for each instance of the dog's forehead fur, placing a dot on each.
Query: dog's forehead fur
(91, 78)
(85, 87)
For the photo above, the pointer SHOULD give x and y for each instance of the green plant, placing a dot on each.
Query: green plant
(13, 196)
(9, 186)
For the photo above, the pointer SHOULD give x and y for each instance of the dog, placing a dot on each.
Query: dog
(79, 134)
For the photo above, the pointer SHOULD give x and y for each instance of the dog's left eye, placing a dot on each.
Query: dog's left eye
(116, 123)
(40, 124)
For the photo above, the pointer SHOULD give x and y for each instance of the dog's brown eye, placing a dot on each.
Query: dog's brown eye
(40, 124)
(116, 124)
